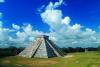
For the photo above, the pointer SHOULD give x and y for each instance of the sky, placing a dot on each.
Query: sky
(69, 23)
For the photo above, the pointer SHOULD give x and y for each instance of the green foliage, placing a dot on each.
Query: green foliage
(99, 48)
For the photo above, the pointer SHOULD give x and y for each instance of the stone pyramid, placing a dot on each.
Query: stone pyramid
(42, 47)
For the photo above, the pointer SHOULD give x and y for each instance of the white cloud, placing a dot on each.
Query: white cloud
(57, 4)
(1, 24)
(15, 26)
(23, 35)
(63, 32)
(27, 34)
(76, 27)
(28, 29)
(52, 38)
(62, 38)
(52, 18)
(31, 39)
(0, 15)
(4, 33)
(66, 20)
(2, 1)
(89, 31)
(41, 8)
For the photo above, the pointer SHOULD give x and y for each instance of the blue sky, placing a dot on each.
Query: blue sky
(79, 19)
(84, 12)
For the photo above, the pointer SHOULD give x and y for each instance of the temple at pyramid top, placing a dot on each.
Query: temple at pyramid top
(42, 47)
(43, 36)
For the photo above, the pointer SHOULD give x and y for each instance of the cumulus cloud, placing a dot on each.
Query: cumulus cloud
(15, 26)
(54, 17)
(63, 32)
(66, 20)
(27, 35)
(3, 32)
(4, 35)
(76, 27)
(19, 36)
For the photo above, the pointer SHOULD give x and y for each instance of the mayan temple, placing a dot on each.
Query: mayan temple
(42, 47)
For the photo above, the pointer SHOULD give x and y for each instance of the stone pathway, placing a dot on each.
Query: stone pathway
(68, 56)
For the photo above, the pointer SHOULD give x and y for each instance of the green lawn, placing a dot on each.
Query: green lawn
(89, 59)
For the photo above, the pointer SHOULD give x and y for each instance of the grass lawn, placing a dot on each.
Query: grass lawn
(88, 59)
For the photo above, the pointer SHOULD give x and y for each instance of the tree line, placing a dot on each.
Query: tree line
(13, 51)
